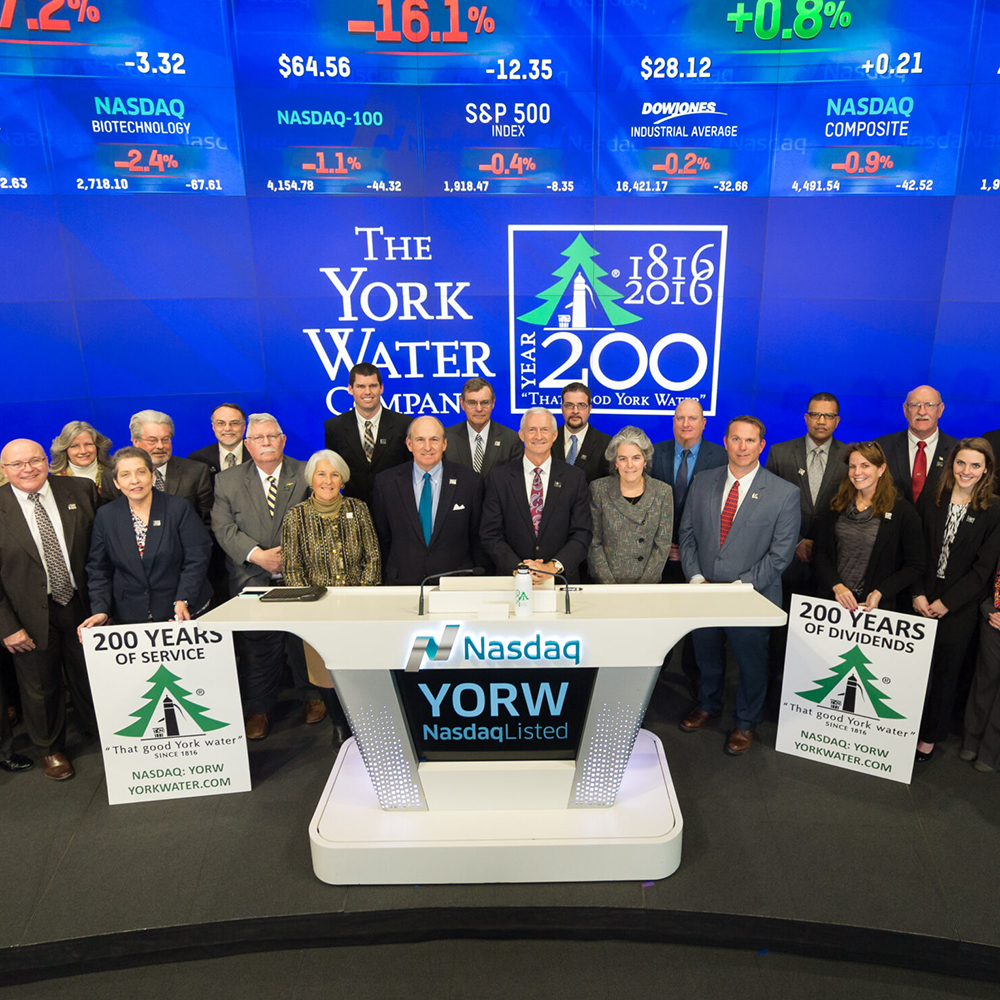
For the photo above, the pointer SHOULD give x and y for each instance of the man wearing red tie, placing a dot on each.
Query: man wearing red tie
(917, 455)
(740, 524)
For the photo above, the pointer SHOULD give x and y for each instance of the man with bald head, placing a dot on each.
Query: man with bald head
(45, 528)
(427, 511)
(917, 455)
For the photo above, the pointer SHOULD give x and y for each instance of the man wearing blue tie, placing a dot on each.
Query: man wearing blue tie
(740, 524)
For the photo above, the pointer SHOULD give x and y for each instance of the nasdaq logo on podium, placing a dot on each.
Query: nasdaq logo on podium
(484, 649)
(633, 312)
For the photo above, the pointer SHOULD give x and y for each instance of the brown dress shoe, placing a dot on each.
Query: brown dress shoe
(696, 719)
(258, 726)
(315, 710)
(57, 767)
(739, 742)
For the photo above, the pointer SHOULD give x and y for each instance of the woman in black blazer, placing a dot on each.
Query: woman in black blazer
(868, 547)
(149, 552)
(962, 542)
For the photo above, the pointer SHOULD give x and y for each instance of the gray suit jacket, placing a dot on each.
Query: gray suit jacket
(761, 540)
(502, 446)
(631, 541)
(241, 520)
(788, 459)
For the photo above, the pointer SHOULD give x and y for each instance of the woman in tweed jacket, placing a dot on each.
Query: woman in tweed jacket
(633, 515)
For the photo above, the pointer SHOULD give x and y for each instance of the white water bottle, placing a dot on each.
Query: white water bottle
(522, 592)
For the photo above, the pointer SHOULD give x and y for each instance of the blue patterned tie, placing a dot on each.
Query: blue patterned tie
(573, 448)
(425, 509)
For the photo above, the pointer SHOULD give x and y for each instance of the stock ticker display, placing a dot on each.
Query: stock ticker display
(743, 202)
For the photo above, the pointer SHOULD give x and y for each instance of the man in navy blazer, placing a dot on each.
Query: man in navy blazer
(923, 408)
(741, 523)
(411, 549)
(537, 508)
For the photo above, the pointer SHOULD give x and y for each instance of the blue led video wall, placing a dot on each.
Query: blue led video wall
(744, 202)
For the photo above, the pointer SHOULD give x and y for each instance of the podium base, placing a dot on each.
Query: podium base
(355, 842)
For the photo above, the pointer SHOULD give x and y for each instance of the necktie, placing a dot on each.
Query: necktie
(919, 470)
(369, 441)
(817, 466)
(536, 500)
(681, 481)
(477, 459)
(230, 460)
(158, 481)
(272, 494)
(573, 449)
(59, 583)
(425, 508)
(729, 512)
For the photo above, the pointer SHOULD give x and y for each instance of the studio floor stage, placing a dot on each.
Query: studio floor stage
(780, 854)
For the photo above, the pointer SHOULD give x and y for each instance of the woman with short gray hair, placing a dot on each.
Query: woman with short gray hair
(633, 514)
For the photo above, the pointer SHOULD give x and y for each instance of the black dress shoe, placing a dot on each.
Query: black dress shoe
(15, 762)
(921, 756)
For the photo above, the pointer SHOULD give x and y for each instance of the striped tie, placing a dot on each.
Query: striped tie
(477, 459)
(573, 448)
(369, 441)
(729, 512)
(536, 500)
(60, 585)
(272, 494)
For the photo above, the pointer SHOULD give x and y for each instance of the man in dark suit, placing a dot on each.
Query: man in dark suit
(229, 423)
(815, 465)
(577, 442)
(537, 508)
(740, 523)
(478, 442)
(917, 455)
(250, 502)
(153, 432)
(45, 528)
(369, 437)
(427, 511)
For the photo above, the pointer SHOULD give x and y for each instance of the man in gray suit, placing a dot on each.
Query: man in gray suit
(740, 523)
(480, 443)
(250, 502)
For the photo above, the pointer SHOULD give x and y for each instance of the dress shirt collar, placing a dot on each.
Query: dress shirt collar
(263, 475)
(484, 433)
(824, 447)
(437, 473)
(529, 466)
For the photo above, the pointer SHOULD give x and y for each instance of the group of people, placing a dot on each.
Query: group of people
(906, 523)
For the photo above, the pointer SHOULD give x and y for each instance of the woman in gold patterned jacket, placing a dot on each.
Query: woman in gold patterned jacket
(329, 540)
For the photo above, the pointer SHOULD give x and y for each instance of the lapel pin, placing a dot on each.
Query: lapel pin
(971, 520)
(557, 484)
(156, 524)
(381, 440)
(888, 515)
(452, 482)
(496, 444)
(349, 513)
(802, 472)
(71, 506)
(753, 496)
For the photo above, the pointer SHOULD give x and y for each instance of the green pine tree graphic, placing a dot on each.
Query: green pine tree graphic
(579, 256)
(854, 660)
(164, 681)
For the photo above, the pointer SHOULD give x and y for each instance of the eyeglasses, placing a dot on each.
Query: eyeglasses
(576, 406)
(922, 406)
(31, 463)
(476, 404)
(821, 416)
(261, 438)
(227, 423)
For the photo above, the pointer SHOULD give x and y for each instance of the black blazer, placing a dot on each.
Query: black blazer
(710, 456)
(209, 455)
(455, 543)
(564, 533)
(192, 481)
(173, 566)
(897, 457)
(390, 449)
(972, 559)
(502, 446)
(590, 457)
(897, 560)
(789, 460)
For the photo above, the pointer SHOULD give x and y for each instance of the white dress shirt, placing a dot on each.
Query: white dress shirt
(931, 442)
(484, 434)
(579, 435)
(48, 501)
(374, 422)
(529, 477)
(223, 452)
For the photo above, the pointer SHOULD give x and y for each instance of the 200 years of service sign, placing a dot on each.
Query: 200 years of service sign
(168, 710)
(854, 686)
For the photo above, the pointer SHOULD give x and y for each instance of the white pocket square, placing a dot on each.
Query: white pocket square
(459, 506)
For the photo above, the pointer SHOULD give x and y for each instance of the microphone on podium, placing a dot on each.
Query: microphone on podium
(556, 576)
(474, 571)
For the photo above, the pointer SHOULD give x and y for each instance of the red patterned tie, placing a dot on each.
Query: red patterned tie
(729, 512)
(536, 499)
(919, 470)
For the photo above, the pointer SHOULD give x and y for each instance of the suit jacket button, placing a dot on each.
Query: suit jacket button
(642, 540)
(640, 558)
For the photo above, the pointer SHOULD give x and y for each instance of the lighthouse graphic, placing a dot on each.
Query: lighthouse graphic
(859, 682)
(581, 276)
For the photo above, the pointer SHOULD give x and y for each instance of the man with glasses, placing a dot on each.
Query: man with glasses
(250, 502)
(577, 442)
(917, 455)
(153, 432)
(45, 528)
(479, 442)
(229, 423)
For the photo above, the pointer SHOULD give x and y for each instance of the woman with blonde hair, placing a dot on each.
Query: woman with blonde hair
(82, 450)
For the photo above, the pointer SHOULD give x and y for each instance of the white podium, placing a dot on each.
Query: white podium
(392, 815)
